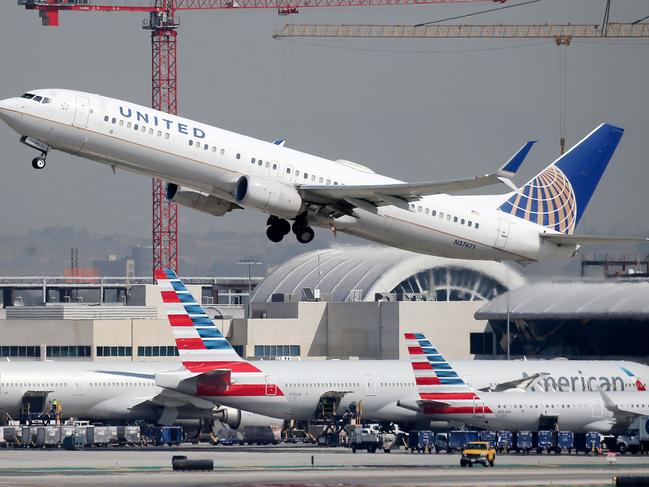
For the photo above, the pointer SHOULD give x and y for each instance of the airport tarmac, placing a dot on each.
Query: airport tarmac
(291, 465)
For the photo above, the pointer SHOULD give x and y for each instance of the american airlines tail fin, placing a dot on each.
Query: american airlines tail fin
(557, 197)
(441, 389)
(201, 345)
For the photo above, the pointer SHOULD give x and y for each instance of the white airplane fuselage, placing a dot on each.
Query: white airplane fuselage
(211, 160)
(293, 389)
(109, 390)
(98, 390)
(579, 412)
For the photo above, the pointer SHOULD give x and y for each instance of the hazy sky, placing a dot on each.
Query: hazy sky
(417, 110)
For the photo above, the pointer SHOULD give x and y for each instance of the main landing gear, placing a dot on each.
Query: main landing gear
(278, 228)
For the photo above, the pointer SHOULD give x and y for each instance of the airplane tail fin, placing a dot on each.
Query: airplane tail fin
(201, 345)
(558, 196)
(437, 381)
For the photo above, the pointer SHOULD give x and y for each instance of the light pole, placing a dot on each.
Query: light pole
(250, 262)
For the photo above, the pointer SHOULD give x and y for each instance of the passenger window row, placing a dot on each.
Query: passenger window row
(135, 126)
(455, 219)
(198, 145)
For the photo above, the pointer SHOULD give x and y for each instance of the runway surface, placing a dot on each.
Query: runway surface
(291, 466)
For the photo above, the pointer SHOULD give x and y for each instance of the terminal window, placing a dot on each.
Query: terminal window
(20, 351)
(277, 350)
(114, 351)
(67, 351)
(481, 343)
(157, 351)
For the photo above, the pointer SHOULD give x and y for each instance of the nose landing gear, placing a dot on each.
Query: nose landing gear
(39, 162)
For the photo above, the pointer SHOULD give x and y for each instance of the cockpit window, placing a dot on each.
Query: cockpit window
(29, 96)
(48, 100)
(38, 98)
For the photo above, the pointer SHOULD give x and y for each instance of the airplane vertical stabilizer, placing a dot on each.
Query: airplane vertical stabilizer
(557, 197)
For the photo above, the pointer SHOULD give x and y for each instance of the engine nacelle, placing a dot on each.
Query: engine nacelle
(269, 196)
(237, 419)
(206, 203)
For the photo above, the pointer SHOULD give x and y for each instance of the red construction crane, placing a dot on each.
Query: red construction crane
(164, 33)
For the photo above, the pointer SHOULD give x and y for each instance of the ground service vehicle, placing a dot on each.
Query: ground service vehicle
(478, 452)
(363, 439)
(637, 439)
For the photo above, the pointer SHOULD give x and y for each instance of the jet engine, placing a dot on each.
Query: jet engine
(206, 203)
(236, 419)
(268, 195)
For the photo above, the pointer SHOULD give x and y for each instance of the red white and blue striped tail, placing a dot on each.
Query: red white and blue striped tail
(201, 345)
(435, 378)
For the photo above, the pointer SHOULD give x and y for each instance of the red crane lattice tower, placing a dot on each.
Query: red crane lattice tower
(164, 36)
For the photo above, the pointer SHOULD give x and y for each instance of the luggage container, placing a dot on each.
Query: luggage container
(12, 435)
(459, 438)
(165, 435)
(421, 441)
(545, 440)
(48, 436)
(593, 442)
(565, 441)
(101, 436)
(488, 436)
(86, 434)
(504, 441)
(130, 435)
(524, 441)
(28, 436)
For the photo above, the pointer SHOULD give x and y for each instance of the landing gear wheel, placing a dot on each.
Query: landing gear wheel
(283, 226)
(38, 162)
(273, 235)
(305, 235)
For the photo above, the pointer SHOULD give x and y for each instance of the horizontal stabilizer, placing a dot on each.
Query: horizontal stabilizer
(576, 239)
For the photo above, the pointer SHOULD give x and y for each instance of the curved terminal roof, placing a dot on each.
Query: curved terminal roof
(571, 300)
(367, 270)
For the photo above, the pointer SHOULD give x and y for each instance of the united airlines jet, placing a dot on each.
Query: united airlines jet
(387, 389)
(216, 171)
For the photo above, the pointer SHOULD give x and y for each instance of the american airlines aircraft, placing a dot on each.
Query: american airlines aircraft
(443, 394)
(212, 370)
(217, 171)
(108, 391)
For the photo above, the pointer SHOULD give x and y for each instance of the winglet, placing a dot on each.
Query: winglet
(279, 142)
(512, 166)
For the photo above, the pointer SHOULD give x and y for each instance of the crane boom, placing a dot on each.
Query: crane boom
(445, 31)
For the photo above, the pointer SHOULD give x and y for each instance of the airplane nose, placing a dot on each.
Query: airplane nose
(7, 111)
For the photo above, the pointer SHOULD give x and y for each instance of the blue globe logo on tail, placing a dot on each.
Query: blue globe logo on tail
(547, 200)
(557, 197)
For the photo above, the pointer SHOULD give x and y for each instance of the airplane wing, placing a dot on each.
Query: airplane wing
(622, 417)
(399, 194)
(173, 399)
(576, 239)
(421, 405)
(522, 384)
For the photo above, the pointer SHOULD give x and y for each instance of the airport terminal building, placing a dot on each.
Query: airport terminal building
(351, 302)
